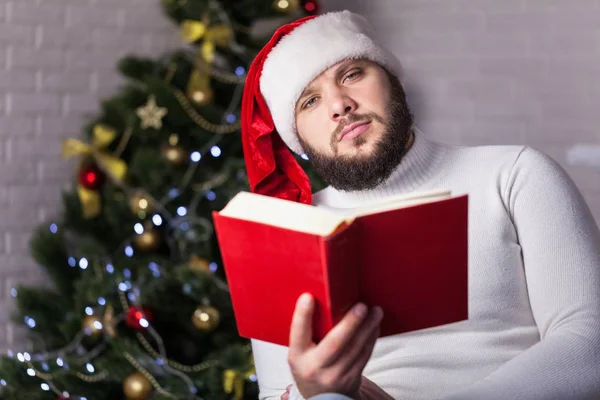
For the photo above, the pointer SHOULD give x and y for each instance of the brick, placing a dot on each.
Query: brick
(509, 44)
(28, 13)
(430, 44)
(564, 44)
(57, 170)
(21, 149)
(112, 39)
(467, 22)
(33, 195)
(21, 173)
(525, 68)
(16, 126)
(65, 37)
(65, 82)
(81, 103)
(85, 60)
(17, 35)
(33, 104)
(17, 243)
(53, 129)
(516, 22)
(92, 17)
(17, 80)
(481, 88)
(147, 19)
(37, 58)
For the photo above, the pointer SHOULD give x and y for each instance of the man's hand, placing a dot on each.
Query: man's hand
(336, 363)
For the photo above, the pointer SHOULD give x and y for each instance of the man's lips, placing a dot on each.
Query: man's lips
(354, 130)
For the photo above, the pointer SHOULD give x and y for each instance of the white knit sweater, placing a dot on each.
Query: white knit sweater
(534, 285)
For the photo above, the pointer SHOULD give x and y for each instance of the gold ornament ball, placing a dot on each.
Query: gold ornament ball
(92, 324)
(206, 318)
(140, 204)
(286, 6)
(201, 96)
(174, 154)
(137, 387)
(148, 240)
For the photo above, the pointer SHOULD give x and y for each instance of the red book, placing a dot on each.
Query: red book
(408, 255)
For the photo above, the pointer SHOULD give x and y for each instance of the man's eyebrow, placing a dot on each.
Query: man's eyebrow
(338, 72)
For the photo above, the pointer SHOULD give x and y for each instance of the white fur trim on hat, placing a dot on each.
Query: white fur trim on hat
(307, 51)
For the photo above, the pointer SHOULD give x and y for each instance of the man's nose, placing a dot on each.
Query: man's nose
(341, 105)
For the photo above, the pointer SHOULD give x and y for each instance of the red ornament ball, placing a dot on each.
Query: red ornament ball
(136, 315)
(90, 177)
(310, 7)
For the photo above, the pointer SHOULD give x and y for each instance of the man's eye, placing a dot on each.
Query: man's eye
(352, 74)
(308, 103)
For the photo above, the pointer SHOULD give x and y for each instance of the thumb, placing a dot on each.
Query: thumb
(301, 328)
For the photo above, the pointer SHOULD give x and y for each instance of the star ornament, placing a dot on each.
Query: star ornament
(151, 114)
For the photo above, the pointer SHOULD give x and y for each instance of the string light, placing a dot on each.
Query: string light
(129, 251)
(253, 378)
(211, 195)
(144, 323)
(213, 266)
(138, 228)
(215, 151)
(89, 311)
(45, 387)
(127, 273)
(72, 262)
(101, 301)
(181, 211)
(59, 362)
(239, 71)
(231, 118)
(157, 220)
(83, 263)
(173, 193)
(154, 268)
(45, 366)
(30, 322)
(90, 368)
(195, 156)
(30, 372)
(53, 228)
(109, 268)
(13, 292)
(304, 156)
(10, 353)
(131, 296)
(122, 286)
(187, 288)
(160, 361)
(2, 382)
(184, 226)
(20, 357)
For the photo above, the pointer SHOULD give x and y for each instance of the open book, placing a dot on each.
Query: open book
(407, 254)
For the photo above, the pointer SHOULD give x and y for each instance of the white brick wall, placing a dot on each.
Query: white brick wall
(57, 59)
(500, 71)
(477, 71)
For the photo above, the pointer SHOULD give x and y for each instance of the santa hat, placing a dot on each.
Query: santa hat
(296, 54)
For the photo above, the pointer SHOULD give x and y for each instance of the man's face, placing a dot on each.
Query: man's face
(352, 93)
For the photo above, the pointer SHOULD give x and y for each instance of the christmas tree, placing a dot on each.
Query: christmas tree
(139, 306)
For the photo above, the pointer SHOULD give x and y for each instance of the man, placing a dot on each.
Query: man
(323, 86)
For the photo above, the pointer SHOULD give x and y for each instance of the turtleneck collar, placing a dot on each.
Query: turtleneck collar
(418, 165)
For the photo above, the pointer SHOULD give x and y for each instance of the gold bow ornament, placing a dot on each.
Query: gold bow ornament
(214, 35)
(233, 382)
(109, 164)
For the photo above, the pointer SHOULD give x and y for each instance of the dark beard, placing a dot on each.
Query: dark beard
(351, 173)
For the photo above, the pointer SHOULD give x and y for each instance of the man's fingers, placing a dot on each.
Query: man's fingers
(334, 343)
(360, 360)
(362, 342)
(301, 328)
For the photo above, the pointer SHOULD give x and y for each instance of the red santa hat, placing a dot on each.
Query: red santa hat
(296, 54)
